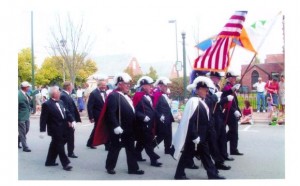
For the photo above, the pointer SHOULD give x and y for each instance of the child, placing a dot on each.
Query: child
(247, 113)
(269, 106)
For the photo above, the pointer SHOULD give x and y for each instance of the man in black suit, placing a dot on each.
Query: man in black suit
(163, 114)
(70, 105)
(120, 116)
(58, 120)
(94, 107)
(193, 130)
(232, 112)
(145, 114)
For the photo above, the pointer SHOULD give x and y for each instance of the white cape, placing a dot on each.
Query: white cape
(180, 134)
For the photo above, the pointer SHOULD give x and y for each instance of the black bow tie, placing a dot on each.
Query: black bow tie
(102, 91)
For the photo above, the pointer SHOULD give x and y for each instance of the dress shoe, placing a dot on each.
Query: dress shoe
(67, 168)
(216, 177)
(26, 150)
(51, 164)
(136, 172)
(155, 163)
(181, 177)
(193, 167)
(229, 158)
(92, 147)
(111, 171)
(222, 166)
(140, 159)
(19, 146)
(72, 156)
(236, 153)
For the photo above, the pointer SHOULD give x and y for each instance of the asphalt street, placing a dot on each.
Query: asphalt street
(263, 147)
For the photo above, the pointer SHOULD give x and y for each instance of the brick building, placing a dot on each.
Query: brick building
(272, 67)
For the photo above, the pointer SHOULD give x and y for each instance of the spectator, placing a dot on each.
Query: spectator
(23, 115)
(260, 96)
(247, 113)
(272, 88)
(282, 94)
(80, 101)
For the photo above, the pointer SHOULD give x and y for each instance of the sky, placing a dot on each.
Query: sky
(142, 28)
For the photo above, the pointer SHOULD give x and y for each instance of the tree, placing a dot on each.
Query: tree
(152, 73)
(70, 43)
(25, 65)
(50, 72)
(89, 68)
(176, 88)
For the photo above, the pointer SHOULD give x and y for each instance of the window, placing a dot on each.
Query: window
(254, 77)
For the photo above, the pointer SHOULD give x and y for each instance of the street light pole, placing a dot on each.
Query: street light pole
(32, 64)
(174, 21)
(184, 65)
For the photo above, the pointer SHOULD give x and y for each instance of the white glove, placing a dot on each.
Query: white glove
(146, 119)
(73, 124)
(118, 130)
(197, 140)
(42, 135)
(236, 87)
(162, 118)
(237, 114)
(219, 94)
(230, 97)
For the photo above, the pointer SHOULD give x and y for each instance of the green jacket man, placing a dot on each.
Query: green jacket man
(23, 115)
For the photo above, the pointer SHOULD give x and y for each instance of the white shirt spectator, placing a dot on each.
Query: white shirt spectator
(79, 93)
(45, 93)
(260, 86)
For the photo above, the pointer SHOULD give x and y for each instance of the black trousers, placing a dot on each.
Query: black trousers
(144, 141)
(213, 146)
(57, 148)
(232, 134)
(70, 140)
(91, 138)
(220, 129)
(188, 154)
(164, 133)
(127, 141)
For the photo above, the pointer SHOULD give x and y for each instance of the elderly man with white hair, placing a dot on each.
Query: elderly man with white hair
(260, 94)
(58, 120)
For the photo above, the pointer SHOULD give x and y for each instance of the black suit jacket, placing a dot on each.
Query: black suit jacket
(70, 105)
(143, 109)
(117, 103)
(52, 118)
(198, 127)
(235, 105)
(163, 108)
(95, 105)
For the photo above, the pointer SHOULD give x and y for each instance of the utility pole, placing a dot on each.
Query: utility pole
(32, 65)
(184, 65)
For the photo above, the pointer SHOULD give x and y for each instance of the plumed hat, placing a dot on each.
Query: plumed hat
(162, 81)
(201, 81)
(144, 80)
(122, 77)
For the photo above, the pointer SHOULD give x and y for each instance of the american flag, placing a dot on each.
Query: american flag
(216, 57)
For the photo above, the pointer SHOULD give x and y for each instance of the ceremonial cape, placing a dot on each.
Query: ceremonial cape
(101, 131)
(181, 132)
